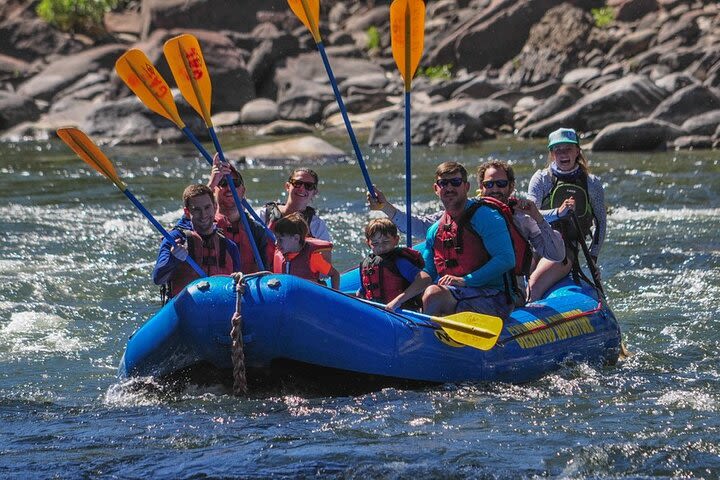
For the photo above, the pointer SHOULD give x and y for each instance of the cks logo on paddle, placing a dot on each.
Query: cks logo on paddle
(195, 63)
(155, 81)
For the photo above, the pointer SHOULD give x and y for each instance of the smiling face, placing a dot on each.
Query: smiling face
(452, 191)
(201, 210)
(301, 189)
(490, 184)
(565, 156)
(224, 197)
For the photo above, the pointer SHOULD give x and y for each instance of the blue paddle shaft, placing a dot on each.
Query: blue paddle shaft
(346, 119)
(408, 170)
(160, 229)
(238, 202)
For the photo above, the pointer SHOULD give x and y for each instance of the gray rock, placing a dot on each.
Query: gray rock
(67, 70)
(128, 121)
(691, 142)
(16, 109)
(476, 88)
(580, 76)
(642, 135)
(703, 124)
(358, 103)
(306, 149)
(684, 29)
(376, 81)
(260, 110)
(438, 128)
(267, 54)
(633, 44)
(631, 10)
(675, 81)
(565, 97)
(284, 127)
(303, 100)
(375, 17)
(624, 100)
(687, 102)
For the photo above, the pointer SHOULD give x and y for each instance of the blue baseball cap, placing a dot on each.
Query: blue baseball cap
(562, 135)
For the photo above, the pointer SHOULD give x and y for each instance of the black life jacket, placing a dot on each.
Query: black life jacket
(380, 277)
(272, 215)
(561, 191)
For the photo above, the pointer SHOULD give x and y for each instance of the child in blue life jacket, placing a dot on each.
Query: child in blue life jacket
(300, 255)
(390, 274)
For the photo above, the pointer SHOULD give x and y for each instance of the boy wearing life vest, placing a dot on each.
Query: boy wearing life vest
(390, 275)
(298, 254)
(469, 252)
(229, 221)
(202, 241)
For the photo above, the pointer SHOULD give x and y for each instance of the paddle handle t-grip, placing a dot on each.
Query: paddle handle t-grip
(346, 119)
(198, 269)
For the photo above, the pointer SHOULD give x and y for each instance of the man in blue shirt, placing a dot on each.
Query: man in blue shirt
(468, 251)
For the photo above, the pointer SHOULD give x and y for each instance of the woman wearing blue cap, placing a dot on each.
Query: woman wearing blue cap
(564, 186)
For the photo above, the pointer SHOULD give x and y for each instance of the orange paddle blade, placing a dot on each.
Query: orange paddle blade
(191, 75)
(407, 36)
(308, 11)
(86, 149)
(141, 76)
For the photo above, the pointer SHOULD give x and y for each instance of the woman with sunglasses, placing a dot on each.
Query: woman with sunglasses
(564, 187)
(301, 188)
(228, 217)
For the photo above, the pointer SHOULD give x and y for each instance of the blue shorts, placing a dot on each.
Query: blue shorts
(481, 300)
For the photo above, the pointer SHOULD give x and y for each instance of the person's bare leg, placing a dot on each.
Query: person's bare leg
(547, 274)
(438, 301)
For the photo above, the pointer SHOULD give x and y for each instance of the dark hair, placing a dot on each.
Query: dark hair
(498, 164)
(304, 170)
(451, 167)
(293, 224)
(382, 226)
(196, 190)
(235, 175)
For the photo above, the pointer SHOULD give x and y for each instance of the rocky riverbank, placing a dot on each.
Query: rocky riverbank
(635, 75)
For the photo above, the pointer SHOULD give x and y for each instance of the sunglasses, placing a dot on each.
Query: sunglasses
(223, 183)
(492, 183)
(309, 186)
(444, 182)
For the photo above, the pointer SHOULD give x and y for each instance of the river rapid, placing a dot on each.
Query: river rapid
(75, 283)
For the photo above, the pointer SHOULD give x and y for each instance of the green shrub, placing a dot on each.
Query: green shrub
(603, 16)
(443, 72)
(373, 41)
(76, 15)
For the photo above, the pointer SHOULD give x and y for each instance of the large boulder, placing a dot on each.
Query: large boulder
(703, 124)
(686, 103)
(624, 100)
(15, 109)
(25, 36)
(266, 55)
(453, 121)
(644, 134)
(555, 45)
(633, 44)
(302, 149)
(127, 121)
(260, 110)
(474, 43)
(675, 81)
(67, 70)
(565, 98)
(631, 10)
(205, 14)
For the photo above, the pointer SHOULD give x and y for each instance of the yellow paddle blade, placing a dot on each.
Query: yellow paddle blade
(141, 76)
(473, 329)
(86, 149)
(407, 36)
(308, 11)
(191, 75)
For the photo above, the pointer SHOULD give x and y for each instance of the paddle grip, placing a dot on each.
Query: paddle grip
(162, 230)
(346, 119)
(408, 170)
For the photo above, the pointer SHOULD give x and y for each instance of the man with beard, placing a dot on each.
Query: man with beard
(468, 251)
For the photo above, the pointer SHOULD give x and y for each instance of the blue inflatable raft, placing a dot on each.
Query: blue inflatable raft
(290, 321)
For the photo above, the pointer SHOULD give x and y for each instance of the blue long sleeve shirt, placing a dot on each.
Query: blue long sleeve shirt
(490, 225)
(166, 262)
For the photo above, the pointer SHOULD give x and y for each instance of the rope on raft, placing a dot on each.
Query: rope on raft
(238, 354)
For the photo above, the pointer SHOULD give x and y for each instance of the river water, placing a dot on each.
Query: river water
(75, 283)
